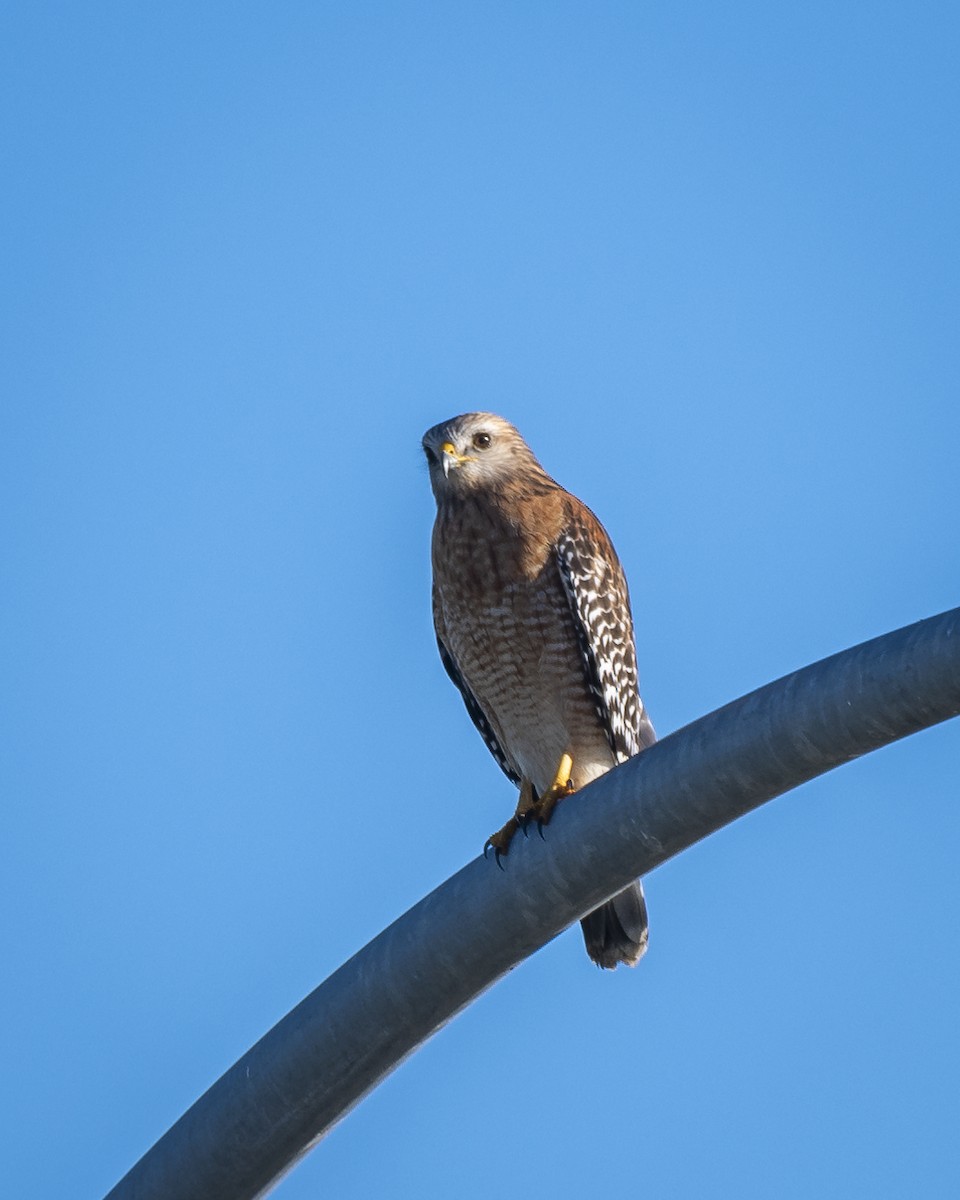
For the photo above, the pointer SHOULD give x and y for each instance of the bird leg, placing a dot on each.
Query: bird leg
(561, 786)
(499, 842)
(530, 806)
(526, 805)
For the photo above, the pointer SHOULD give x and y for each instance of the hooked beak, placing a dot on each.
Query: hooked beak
(451, 458)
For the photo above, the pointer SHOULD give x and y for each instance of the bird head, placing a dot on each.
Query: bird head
(473, 452)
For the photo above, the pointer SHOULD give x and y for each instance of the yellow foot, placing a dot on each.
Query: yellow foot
(531, 807)
(499, 842)
(561, 786)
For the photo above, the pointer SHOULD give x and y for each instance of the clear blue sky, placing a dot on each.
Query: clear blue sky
(706, 257)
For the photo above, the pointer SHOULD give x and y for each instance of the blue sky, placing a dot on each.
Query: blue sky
(706, 257)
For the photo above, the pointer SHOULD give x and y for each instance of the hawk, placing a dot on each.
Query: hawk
(533, 622)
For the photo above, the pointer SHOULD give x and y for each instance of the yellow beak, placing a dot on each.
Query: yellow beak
(451, 458)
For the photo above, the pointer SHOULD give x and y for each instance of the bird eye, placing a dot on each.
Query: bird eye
(481, 441)
(431, 457)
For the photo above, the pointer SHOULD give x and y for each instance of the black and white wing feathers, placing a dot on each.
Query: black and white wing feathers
(600, 604)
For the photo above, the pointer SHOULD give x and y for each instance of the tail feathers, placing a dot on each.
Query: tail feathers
(616, 932)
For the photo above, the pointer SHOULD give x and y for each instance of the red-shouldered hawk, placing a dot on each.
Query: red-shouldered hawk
(533, 621)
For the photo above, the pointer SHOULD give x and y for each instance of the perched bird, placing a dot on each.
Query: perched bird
(533, 622)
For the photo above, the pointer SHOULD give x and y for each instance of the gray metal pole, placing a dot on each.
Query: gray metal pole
(357, 1026)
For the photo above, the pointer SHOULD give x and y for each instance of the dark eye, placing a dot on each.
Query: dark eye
(481, 441)
(431, 457)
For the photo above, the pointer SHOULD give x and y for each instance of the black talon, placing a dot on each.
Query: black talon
(540, 830)
(488, 845)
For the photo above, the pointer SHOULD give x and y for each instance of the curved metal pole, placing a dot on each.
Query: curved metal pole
(337, 1044)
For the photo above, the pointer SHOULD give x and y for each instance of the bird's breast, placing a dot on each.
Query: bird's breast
(510, 630)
